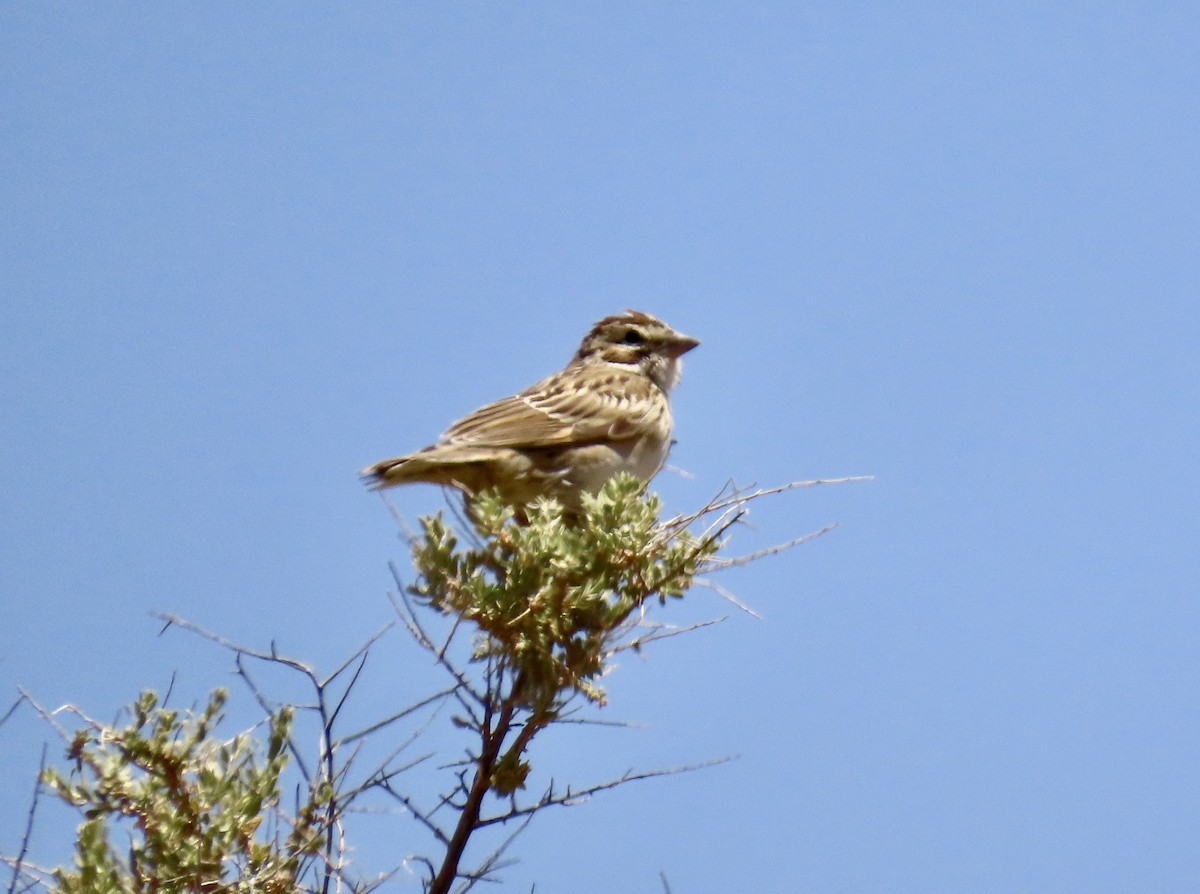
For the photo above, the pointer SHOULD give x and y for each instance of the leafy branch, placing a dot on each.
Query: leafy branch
(537, 604)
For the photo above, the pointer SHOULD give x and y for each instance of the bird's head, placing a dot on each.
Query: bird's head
(637, 339)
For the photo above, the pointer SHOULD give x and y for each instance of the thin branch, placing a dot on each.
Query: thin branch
(408, 618)
(49, 716)
(596, 721)
(722, 564)
(33, 876)
(744, 497)
(462, 520)
(402, 589)
(429, 867)
(170, 690)
(472, 720)
(12, 710)
(361, 650)
(678, 470)
(662, 633)
(273, 656)
(410, 535)
(490, 864)
(497, 723)
(420, 815)
(269, 709)
(741, 496)
(333, 715)
(727, 596)
(569, 797)
(441, 653)
(381, 777)
(28, 834)
(392, 718)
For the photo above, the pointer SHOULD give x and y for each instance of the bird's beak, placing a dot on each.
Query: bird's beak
(681, 344)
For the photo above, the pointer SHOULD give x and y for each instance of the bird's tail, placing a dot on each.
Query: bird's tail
(440, 464)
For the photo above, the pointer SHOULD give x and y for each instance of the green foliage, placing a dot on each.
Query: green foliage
(548, 596)
(192, 805)
(552, 593)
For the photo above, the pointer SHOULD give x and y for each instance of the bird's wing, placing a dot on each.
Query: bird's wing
(574, 406)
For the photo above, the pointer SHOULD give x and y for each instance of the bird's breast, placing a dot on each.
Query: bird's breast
(592, 465)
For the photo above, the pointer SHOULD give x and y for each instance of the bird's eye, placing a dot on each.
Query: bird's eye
(632, 337)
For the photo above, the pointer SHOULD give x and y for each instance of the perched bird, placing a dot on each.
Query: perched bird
(606, 412)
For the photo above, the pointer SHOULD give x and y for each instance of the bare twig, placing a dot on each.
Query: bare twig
(49, 716)
(409, 534)
(494, 862)
(727, 596)
(424, 818)
(663, 632)
(18, 863)
(12, 709)
(742, 496)
(382, 777)
(408, 618)
(721, 564)
(568, 798)
(361, 651)
(268, 708)
(273, 656)
(328, 706)
(392, 718)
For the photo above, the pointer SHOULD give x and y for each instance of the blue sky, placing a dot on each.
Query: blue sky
(246, 250)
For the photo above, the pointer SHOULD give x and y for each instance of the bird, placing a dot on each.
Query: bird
(606, 412)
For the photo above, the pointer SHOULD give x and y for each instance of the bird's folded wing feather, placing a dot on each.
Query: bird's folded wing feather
(567, 408)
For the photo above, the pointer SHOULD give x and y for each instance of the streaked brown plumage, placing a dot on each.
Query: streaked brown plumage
(606, 412)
